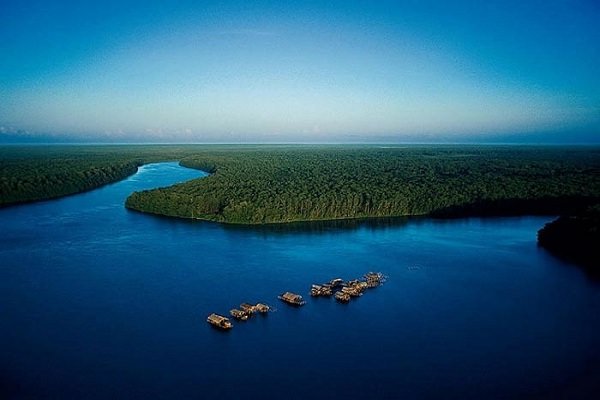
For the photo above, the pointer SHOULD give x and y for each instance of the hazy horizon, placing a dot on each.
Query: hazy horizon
(275, 72)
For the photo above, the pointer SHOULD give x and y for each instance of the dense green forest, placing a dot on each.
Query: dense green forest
(283, 184)
(268, 184)
(30, 173)
(575, 238)
(273, 184)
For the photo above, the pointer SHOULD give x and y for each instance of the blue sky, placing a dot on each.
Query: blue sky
(276, 71)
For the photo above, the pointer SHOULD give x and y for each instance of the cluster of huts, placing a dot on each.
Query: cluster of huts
(344, 292)
(245, 311)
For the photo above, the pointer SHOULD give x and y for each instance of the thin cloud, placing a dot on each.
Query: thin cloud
(11, 130)
(245, 32)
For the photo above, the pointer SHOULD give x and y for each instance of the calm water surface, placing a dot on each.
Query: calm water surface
(97, 301)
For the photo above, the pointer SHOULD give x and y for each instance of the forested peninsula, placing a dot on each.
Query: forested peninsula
(575, 238)
(275, 184)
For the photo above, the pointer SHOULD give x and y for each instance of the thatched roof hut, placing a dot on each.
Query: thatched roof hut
(219, 321)
(292, 298)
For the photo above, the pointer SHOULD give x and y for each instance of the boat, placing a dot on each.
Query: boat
(356, 286)
(292, 298)
(219, 321)
(337, 282)
(262, 308)
(351, 291)
(248, 308)
(321, 290)
(239, 314)
(374, 279)
(315, 290)
(342, 297)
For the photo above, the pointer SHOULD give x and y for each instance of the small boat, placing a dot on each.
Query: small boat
(342, 297)
(315, 290)
(239, 314)
(262, 308)
(351, 291)
(219, 321)
(248, 308)
(337, 282)
(374, 279)
(321, 290)
(292, 298)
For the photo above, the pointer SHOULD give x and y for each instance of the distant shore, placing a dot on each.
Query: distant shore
(575, 238)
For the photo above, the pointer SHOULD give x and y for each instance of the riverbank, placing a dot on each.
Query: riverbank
(575, 238)
(36, 173)
(256, 185)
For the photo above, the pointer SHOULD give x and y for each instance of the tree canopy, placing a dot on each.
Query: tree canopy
(271, 185)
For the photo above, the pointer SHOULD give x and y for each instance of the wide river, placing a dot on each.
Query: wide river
(100, 302)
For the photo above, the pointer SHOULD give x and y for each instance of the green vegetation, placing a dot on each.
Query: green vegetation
(282, 184)
(30, 173)
(271, 184)
(575, 238)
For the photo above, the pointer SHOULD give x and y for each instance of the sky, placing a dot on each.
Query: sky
(304, 71)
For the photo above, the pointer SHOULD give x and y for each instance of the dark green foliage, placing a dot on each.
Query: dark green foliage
(575, 238)
(29, 173)
(265, 184)
(282, 184)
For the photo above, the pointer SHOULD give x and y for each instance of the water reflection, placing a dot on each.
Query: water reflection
(326, 226)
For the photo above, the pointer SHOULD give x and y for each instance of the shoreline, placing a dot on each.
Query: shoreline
(101, 185)
(71, 193)
(358, 219)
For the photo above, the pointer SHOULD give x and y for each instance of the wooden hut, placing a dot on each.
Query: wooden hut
(248, 308)
(292, 298)
(219, 321)
(342, 297)
(262, 308)
(239, 314)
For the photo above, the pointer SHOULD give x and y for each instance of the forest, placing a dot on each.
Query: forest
(284, 184)
(273, 184)
(260, 184)
(31, 173)
(575, 238)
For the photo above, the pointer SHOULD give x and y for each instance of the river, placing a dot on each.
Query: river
(97, 301)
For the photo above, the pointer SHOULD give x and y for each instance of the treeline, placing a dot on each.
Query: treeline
(30, 173)
(575, 238)
(283, 184)
(266, 184)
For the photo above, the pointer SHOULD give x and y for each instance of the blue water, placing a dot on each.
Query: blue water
(97, 302)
